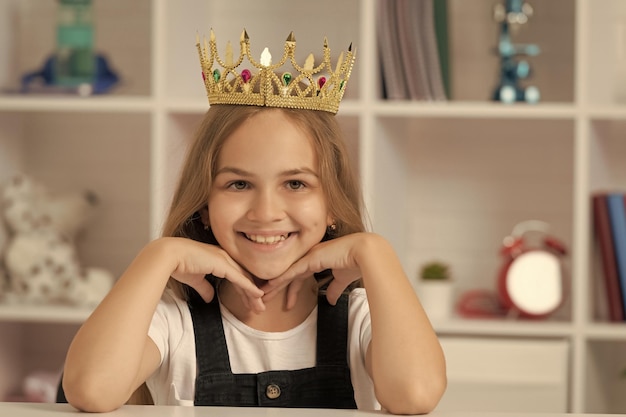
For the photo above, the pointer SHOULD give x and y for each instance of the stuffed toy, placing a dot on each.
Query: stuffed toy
(37, 387)
(40, 260)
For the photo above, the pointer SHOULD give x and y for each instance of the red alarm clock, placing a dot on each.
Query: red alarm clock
(531, 280)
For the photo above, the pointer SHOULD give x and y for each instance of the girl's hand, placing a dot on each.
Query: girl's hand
(196, 260)
(336, 254)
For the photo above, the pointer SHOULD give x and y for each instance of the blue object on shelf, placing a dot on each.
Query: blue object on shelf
(105, 79)
(512, 68)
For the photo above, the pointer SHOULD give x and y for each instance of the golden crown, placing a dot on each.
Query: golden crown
(274, 85)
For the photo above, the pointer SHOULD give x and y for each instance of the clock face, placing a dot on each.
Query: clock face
(534, 284)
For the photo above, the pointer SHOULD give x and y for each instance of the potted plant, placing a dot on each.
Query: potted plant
(435, 289)
(435, 271)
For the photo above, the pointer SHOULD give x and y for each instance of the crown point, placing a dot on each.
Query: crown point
(244, 36)
(197, 38)
(309, 62)
(325, 42)
(339, 62)
(212, 36)
(229, 54)
(266, 57)
(350, 47)
(291, 37)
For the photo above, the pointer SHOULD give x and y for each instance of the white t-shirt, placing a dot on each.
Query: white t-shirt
(250, 350)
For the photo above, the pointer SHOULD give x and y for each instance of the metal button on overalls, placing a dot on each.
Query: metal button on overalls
(272, 391)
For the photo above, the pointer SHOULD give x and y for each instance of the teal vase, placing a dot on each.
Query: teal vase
(74, 57)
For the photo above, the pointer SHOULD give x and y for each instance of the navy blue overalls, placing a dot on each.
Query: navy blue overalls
(327, 385)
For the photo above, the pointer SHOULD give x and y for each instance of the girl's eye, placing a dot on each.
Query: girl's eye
(295, 184)
(238, 185)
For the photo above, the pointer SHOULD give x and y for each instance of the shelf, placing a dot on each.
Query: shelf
(43, 314)
(114, 104)
(608, 112)
(503, 328)
(460, 109)
(607, 332)
(477, 109)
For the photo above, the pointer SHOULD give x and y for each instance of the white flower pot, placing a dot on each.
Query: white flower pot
(436, 297)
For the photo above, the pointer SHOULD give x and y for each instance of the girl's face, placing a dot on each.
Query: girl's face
(266, 207)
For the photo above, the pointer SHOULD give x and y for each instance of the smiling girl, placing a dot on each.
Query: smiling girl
(248, 299)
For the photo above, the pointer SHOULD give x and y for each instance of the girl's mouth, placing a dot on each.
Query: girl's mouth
(266, 240)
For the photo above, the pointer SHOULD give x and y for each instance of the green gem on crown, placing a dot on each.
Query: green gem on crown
(216, 75)
(287, 78)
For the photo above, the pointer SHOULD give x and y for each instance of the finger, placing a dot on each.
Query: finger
(271, 288)
(292, 293)
(205, 290)
(270, 294)
(334, 291)
(347, 275)
(251, 301)
(296, 272)
(244, 285)
(278, 283)
(257, 305)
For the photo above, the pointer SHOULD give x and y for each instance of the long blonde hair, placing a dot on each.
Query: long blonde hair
(339, 182)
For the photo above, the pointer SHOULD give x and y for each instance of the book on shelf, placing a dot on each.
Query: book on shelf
(389, 53)
(609, 219)
(429, 36)
(443, 47)
(411, 45)
(604, 240)
(414, 70)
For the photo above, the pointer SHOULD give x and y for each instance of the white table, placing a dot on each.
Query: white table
(65, 410)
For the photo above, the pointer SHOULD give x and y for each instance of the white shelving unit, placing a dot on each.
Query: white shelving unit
(442, 180)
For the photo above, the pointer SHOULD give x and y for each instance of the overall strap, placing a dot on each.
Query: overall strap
(208, 326)
(332, 333)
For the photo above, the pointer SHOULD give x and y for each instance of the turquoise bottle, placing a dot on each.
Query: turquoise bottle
(75, 60)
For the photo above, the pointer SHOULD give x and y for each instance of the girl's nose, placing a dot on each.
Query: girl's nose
(267, 206)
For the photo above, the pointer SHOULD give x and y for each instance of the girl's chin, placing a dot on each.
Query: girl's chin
(259, 281)
(261, 275)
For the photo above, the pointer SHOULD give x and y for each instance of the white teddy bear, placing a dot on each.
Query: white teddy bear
(40, 257)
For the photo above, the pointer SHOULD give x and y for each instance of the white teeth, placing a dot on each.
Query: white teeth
(266, 239)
